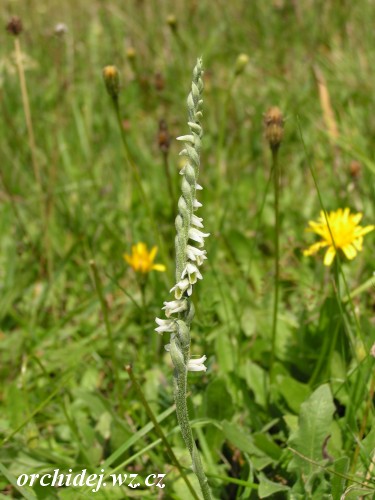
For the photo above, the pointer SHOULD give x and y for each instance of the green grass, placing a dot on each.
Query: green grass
(260, 433)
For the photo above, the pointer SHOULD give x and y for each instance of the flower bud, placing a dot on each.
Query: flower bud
(112, 81)
(131, 53)
(172, 22)
(274, 125)
(14, 27)
(241, 63)
(355, 169)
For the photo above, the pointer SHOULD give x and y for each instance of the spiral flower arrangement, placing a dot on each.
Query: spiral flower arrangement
(189, 238)
(189, 257)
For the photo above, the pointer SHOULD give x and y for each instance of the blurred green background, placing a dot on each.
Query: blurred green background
(58, 400)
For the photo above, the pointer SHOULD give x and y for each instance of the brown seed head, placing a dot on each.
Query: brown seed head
(164, 139)
(112, 81)
(274, 125)
(355, 169)
(159, 81)
(14, 27)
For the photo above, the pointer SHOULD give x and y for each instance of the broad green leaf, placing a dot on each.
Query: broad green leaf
(293, 392)
(268, 488)
(257, 380)
(314, 426)
(241, 440)
(264, 442)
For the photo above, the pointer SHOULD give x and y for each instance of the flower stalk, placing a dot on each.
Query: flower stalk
(189, 257)
(274, 124)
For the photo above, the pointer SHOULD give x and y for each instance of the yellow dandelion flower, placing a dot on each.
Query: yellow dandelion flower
(346, 232)
(142, 260)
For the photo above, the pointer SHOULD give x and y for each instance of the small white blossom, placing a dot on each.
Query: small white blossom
(198, 187)
(196, 235)
(174, 306)
(182, 286)
(196, 221)
(193, 273)
(196, 365)
(165, 325)
(196, 254)
(196, 204)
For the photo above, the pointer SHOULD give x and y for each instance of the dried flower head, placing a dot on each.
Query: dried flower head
(142, 260)
(274, 126)
(164, 139)
(355, 169)
(14, 27)
(159, 81)
(61, 29)
(345, 230)
(112, 81)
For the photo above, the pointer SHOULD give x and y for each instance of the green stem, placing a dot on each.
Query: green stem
(276, 174)
(180, 390)
(159, 430)
(104, 306)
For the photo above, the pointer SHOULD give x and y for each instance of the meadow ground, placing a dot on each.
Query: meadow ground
(285, 408)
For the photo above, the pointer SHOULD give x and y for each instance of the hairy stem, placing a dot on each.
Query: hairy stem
(180, 390)
(159, 430)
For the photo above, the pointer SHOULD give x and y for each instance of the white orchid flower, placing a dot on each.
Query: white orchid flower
(174, 306)
(198, 236)
(193, 273)
(196, 365)
(165, 325)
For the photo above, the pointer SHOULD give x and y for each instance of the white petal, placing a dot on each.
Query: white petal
(196, 235)
(181, 287)
(196, 221)
(196, 365)
(198, 187)
(196, 254)
(196, 204)
(174, 306)
(193, 273)
(165, 325)
(186, 138)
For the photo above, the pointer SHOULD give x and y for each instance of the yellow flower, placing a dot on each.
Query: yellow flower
(142, 261)
(346, 232)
